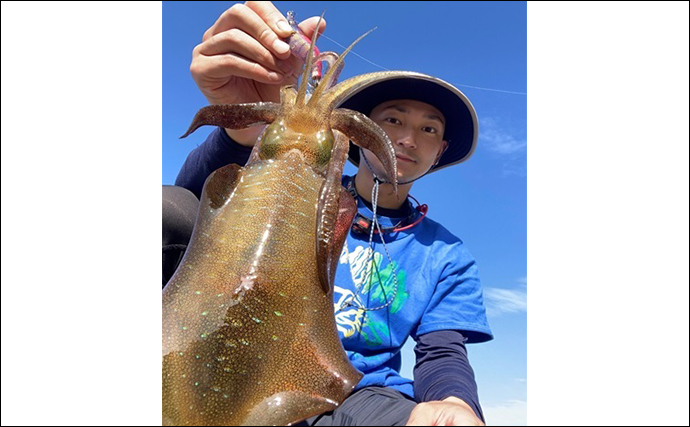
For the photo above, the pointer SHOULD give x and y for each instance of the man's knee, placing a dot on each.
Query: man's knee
(179, 213)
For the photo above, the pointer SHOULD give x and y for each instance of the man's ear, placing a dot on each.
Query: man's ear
(440, 153)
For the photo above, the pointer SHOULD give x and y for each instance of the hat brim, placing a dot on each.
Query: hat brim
(461, 128)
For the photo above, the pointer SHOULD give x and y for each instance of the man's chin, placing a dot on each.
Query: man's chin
(408, 173)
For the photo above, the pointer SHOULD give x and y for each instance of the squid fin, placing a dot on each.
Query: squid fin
(336, 209)
(296, 405)
(331, 243)
(220, 186)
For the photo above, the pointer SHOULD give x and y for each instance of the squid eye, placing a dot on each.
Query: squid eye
(272, 140)
(324, 145)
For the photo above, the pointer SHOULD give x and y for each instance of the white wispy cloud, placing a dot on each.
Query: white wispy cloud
(505, 143)
(509, 413)
(498, 140)
(505, 301)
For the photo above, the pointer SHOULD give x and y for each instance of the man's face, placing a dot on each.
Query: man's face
(416, 131)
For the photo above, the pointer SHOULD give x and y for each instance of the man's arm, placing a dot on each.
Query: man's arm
(217, 151)
(444, 382)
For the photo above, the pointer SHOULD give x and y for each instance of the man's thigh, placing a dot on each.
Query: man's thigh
(370, 406)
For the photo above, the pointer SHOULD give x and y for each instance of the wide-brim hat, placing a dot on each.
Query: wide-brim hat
(461, 128)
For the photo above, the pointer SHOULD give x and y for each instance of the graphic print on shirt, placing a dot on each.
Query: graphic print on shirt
(374, 290)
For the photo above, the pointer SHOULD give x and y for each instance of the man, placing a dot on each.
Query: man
(415, 278)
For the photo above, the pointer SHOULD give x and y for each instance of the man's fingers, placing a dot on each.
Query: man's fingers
(271, 16)
(242, 17)
(422, 415)
(216, 67)
(238, 42)
(309, 24)
(419, 421)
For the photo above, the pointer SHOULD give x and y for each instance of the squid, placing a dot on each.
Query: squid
(249, 333)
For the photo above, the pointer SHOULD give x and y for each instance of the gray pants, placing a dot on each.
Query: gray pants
(370, 406)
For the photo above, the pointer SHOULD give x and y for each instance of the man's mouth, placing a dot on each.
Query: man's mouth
(404, 158)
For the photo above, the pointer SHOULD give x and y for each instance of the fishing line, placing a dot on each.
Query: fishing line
(387, 69)
(355, 53)
(494, 90)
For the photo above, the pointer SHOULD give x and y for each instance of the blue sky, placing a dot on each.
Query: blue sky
(481, 47)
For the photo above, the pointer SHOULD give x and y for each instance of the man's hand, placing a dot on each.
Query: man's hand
(447, 412)
(243, 58)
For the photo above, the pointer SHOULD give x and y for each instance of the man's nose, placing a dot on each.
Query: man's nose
(406, 139)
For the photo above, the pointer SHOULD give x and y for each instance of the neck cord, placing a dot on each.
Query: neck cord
(355, 300)
(372, 263)
(363, 224)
